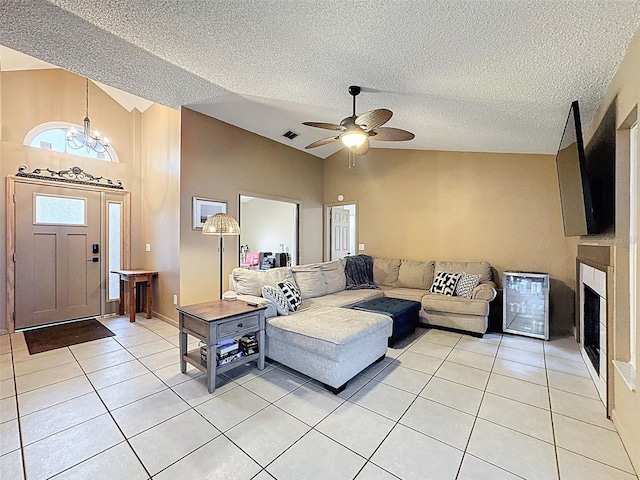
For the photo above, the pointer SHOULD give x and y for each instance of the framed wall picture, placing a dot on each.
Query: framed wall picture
(203, 208)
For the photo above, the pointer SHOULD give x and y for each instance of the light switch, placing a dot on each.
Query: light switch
(361, 247)
(148, 247)
(175, 299)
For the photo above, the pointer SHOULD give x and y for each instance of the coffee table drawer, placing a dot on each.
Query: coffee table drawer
(238, 325)
(195, 327)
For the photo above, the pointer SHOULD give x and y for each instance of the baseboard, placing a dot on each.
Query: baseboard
(626, 441)
(170, 321)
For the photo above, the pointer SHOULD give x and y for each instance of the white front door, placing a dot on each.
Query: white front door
(340, 241)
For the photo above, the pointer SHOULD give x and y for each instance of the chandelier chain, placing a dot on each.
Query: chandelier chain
(86, 98)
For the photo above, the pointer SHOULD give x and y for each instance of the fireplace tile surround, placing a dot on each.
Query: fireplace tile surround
(593, 325)
(594, 273)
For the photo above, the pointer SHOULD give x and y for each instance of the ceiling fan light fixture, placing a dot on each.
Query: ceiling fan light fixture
(353, 139)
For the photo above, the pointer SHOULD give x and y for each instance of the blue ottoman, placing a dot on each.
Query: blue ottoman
(404, 313)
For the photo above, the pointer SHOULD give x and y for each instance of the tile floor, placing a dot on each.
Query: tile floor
(441, 406)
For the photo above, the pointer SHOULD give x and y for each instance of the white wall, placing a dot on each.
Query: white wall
(265, 224)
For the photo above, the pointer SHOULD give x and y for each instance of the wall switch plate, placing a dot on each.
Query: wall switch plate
(148, 247)
(361, 247)
(175, 299)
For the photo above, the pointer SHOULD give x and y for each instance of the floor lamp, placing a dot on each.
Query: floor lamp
(221, 224)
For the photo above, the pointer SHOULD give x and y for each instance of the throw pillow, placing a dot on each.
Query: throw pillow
(291, 293)
(466, 283)
(444, 283)
(276, 296)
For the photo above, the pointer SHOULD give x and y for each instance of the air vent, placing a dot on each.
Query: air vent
(290, 135)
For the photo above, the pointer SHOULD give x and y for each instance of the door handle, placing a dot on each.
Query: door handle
(94, 260)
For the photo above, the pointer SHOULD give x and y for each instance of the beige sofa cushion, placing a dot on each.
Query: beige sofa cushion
(309, 280)
(478, 268)
(250, 282)
(334, 277)
(448, 304)
(414, 294)
(323, 330)
(385, 271)
(413, 274)
(345, 298)
(319, 279)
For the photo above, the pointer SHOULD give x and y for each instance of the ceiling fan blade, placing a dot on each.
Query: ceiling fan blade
(391, 134)
(374, 118)
(362, 149)
(323, 141)
(326, 126)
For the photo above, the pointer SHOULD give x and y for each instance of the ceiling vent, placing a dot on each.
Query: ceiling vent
(290, 135)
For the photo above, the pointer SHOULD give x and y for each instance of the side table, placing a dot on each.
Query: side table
(131, 278)
(214, 321)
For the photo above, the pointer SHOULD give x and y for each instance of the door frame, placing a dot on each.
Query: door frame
(11, 181)
(327, 226)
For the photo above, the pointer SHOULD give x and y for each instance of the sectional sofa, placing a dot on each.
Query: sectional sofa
(331, 342)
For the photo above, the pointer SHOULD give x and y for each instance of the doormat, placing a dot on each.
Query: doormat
(57, 336)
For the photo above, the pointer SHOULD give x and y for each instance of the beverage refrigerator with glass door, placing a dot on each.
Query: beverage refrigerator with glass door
(525, 304)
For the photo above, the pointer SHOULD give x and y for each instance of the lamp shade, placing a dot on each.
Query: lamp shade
(353, 138)
(221, 224)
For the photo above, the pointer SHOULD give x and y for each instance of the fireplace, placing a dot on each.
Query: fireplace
(592, 326)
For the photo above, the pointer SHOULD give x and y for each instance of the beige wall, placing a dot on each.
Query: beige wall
(431, 205)
(33, 97)
(626, 87)
(161, 203)
(219, 161)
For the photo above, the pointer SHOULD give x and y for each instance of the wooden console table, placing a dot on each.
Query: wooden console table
(219, 320)
(131, 278)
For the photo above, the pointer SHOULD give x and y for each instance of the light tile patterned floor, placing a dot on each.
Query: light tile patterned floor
(440, 406)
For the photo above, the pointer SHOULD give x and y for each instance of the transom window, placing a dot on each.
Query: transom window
(53, 136)
(59, 210)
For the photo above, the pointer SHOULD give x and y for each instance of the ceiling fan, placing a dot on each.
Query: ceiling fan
(357, 130)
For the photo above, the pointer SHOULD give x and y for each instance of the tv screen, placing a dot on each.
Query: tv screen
(575, 192)
(600, 154)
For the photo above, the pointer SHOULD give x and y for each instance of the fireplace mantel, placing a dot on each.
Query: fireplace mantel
(598, 256)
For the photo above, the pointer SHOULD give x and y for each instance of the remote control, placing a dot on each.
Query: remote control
(252, 304)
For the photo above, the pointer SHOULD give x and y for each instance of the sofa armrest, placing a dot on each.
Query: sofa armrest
(485, 291)
(271, 310)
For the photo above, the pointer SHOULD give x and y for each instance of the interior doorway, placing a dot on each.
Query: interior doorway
(342, 230)
(269, 232)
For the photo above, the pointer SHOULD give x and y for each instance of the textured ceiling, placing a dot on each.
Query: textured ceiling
(469, 75)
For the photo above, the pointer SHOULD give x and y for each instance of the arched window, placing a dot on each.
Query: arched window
(53, 136)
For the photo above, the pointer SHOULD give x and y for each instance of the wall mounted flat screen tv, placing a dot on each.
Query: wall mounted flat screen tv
(600, 154)
(575, 192)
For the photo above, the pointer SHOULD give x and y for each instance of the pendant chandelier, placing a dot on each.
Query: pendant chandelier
(77, 140)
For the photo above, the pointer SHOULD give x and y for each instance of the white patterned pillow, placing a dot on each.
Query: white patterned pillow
(466, 283)
(444, 283)
(291, 293)
(277, 297)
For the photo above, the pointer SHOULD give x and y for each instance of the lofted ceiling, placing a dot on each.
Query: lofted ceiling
(11, 60)
(464, 75)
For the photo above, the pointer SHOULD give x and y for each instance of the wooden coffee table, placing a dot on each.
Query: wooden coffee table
(213, 322)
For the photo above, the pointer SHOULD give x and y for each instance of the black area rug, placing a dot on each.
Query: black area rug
(57, 336)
